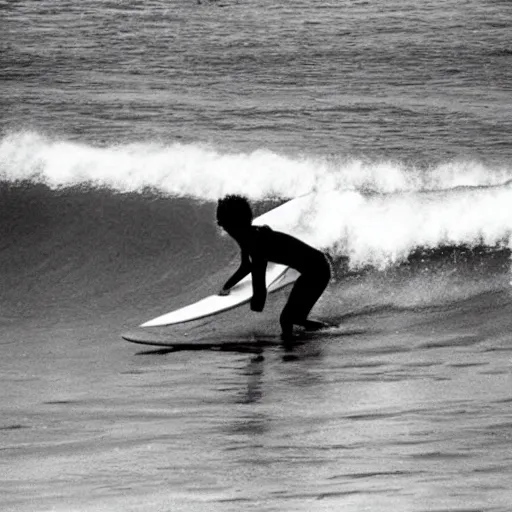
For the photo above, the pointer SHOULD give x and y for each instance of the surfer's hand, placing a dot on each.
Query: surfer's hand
(257, 303)
(224, 292)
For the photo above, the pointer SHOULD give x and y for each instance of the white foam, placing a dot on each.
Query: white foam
(382, 230)
(203, 172)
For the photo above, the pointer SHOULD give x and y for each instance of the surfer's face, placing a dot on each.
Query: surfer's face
(234, 230)
(222, 231)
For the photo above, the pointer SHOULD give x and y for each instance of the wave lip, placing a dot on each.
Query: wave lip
(203, 172)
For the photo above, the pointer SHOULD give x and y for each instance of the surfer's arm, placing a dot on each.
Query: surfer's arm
(259, 286)
(242, 271)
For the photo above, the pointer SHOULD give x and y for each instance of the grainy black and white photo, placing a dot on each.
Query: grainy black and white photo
(255, 255)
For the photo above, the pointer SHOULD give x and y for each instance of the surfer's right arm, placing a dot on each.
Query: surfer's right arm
(243, 270)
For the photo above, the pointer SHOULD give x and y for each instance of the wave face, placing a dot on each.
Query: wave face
(94, 250)
(103, 229)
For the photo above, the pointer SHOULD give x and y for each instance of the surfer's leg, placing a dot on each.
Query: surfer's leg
(307, 290)
(288, 315)
(297, 307)
(315, 286)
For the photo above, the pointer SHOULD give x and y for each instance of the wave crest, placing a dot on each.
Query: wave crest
(203, 172)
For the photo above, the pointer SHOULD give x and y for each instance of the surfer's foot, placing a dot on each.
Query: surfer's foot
(313, 325)
(290, 340)
(287, 335)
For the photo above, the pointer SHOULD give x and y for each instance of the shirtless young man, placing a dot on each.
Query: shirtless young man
(261, 244)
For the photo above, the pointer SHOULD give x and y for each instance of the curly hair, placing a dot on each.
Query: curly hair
(234, 210)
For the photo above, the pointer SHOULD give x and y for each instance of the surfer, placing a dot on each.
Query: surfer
(261, 244)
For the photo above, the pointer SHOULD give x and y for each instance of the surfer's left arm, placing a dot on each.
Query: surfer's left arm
(259, 286)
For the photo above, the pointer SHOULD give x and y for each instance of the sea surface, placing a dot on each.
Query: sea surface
(122, 123)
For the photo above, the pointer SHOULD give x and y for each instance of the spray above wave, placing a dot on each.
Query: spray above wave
(205, 173)
(383, 230)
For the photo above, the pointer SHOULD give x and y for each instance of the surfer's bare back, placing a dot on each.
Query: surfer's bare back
(261, 244)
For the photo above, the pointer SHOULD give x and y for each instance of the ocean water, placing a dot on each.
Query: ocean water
(122, 123)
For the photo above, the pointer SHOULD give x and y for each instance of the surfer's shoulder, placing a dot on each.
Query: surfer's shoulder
(262, 230)
(258, 239)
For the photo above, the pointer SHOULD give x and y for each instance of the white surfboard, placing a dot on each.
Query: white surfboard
(277, 276)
